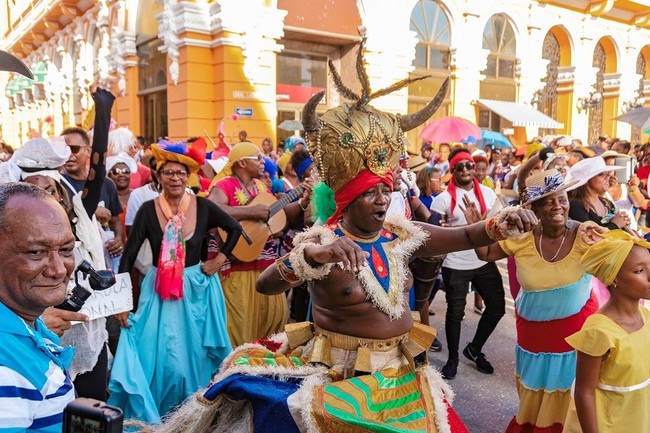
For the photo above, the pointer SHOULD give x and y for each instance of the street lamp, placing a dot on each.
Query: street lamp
(585, 102)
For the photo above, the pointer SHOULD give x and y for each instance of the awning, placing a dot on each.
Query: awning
(520, 114)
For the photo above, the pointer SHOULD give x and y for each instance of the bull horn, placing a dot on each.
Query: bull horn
(411, 121)
(309, 116)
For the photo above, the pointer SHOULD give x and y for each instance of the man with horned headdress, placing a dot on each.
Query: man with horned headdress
(362, 364)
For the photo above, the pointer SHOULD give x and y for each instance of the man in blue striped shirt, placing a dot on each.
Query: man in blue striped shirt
(36, 257)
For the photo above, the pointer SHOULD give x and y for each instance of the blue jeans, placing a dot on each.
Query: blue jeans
(486, 280)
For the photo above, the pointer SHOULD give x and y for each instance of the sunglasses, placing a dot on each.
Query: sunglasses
(118, 171)
(168, 174)
(76, 149)
(253, 158)
(464, 166)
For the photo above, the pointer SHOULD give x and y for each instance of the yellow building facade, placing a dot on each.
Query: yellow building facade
(182, 68)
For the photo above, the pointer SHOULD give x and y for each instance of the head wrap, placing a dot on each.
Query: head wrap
(191, 155)
(480, 158)
(350, 191)
(239, 151)
(283, 161)
(270, 167)
(290, 143)
(355, 142)
(123, 158)
(451, 188)
(604, 259)
(552, 157)
(303, 166)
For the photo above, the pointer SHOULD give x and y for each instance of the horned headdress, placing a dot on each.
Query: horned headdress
(355, 136)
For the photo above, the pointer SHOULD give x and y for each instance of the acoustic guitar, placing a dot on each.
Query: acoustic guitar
(255, 232)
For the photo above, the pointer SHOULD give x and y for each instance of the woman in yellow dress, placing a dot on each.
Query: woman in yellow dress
(612, 387)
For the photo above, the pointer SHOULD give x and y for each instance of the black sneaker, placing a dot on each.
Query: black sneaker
(449, 370)
(482, 364)
(436, 346)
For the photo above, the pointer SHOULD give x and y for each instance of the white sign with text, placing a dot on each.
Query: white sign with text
(116, 299)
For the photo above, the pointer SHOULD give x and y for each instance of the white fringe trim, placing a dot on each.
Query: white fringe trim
(410, 238)
(318, 235)
(306, 395)
(440, 391)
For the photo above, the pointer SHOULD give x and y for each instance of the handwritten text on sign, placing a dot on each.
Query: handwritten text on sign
(116, 299)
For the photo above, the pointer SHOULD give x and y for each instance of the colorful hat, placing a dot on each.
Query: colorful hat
(545, 183)
(191, 155)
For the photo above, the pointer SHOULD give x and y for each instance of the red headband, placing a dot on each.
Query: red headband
(351, 190)
(460, 156)
(451, 189)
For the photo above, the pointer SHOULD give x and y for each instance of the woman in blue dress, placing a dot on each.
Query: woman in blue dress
(177, 339)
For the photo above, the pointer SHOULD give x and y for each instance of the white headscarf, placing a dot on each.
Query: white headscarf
(123, 158)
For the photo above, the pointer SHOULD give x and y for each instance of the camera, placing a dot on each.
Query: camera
(85, 415)
(99, 280)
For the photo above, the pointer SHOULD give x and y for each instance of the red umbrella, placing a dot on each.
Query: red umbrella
(450, 129)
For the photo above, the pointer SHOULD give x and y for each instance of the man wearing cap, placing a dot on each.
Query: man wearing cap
(463, 267)
(250, 315)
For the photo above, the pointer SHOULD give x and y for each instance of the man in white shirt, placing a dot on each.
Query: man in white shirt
(461, 268)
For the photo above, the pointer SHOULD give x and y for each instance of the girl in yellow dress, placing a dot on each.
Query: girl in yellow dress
(612, 387)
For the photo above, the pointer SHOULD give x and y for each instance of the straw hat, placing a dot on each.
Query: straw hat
(584, 170)
(416, 163)
(613, 154)
(545, 183)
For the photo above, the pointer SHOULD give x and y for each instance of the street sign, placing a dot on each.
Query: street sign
(244, 112)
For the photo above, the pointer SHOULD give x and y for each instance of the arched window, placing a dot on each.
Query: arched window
(499, 38)
(431, 24)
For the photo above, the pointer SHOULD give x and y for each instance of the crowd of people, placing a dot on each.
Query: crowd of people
(287, 288)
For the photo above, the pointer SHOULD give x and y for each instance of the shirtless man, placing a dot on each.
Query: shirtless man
(339, 301)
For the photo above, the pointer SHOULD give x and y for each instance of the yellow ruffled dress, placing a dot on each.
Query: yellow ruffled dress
(623, 390)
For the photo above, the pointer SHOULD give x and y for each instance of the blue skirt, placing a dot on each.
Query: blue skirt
(172, 349)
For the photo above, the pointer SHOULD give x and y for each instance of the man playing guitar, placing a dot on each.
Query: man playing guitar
(250, 315)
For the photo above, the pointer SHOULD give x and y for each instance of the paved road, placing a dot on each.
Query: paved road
(486, 403)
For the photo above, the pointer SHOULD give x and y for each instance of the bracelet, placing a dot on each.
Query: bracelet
(301, 207)
(304, 270)
(285, 269)
(493, 230)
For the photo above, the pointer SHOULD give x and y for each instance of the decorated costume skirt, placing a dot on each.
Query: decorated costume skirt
(311, 380)
(172, 348)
